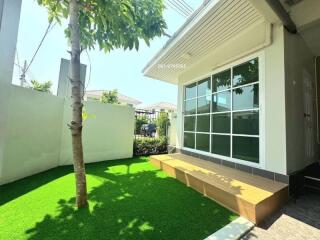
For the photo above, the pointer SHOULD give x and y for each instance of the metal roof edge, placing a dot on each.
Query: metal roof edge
(194, 18)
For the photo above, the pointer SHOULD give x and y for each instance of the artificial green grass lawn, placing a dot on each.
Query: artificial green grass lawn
(128, 199)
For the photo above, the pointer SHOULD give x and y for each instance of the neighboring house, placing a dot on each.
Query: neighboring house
(247, 88)
(161, 107)
(123, 99)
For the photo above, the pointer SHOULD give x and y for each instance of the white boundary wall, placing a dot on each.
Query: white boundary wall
(36, 136)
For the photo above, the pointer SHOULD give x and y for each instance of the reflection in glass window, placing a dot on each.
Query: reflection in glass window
(246, 73)
(191, 91)
(220, 144)
(246, 97)
(203, 142)
(204, 104)
(221, 101)
(203, 123)
(190, 106)
(246, 148)
(220, 123)
(222, 113)
(246, 123)
(189, 123)
(204, 87)
(221, 81)
(188, 140)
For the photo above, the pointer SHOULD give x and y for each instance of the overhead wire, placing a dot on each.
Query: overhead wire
(186, 5)
(183, 7)
(17, 56)
(169, 4)
(179, 7)
(49, 28)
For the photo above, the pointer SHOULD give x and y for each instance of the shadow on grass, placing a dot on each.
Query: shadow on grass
(11, 191)
(133, 201)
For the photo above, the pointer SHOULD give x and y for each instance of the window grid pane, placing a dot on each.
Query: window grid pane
(221, 81)
(203, 104)
(203, 123)
(203, 141)
(190, 91)
(204, 87)
(221, 102)
(245, 97)
(225, 111)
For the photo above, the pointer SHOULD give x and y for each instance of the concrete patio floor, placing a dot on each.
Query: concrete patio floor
(299, 219)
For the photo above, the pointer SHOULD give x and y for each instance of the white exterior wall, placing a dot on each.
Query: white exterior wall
(32, 133)
(107, 135)
(299, 61)
(8, 38)
(254, 40)
(36, 136)
(172, 130)
(275, 119)
(10, 17)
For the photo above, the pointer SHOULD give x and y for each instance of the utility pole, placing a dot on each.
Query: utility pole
(23, 75)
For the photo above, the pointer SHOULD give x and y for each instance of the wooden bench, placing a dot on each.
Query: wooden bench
(250, 196)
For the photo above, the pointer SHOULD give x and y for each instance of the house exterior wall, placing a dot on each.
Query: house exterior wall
(275, 119)
(172, 130)
(254, 40)
(299, 63)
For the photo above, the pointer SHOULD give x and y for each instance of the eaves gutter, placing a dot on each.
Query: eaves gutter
(285, 18)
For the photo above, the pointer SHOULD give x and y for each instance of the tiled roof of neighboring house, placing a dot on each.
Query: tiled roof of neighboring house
(161, 106)
(122, 98)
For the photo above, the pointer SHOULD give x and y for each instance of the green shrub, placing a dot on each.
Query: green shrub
(41, 87)
(140, 120)
(149, 146)
(110, 97)
(163, 122)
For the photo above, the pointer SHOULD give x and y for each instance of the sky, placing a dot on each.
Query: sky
(118, 69)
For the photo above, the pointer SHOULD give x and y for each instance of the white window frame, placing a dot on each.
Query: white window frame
(261, 69)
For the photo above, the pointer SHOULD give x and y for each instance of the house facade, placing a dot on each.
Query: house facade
(93, 95)
(247, 75)
(161, 107)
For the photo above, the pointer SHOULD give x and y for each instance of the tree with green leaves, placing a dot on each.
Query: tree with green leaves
(140, 120)
(163, 122)
(41, 87)
(110, 97)
(108, 24)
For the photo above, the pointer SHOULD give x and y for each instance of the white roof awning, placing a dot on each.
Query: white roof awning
(214, 23)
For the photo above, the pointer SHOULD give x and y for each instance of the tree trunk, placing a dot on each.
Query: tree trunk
(77, 92)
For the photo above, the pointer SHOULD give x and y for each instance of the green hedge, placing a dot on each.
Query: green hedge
(149, 146)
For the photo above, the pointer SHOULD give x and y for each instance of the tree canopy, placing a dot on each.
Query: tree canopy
(110, 97)
(41, 87)
(112, 24)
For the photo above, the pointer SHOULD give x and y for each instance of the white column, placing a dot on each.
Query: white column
(9, 24)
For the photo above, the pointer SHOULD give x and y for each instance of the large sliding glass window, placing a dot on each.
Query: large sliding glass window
(221, 113)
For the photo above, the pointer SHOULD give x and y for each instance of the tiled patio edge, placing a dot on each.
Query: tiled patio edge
(254, 171)
(233, 231)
